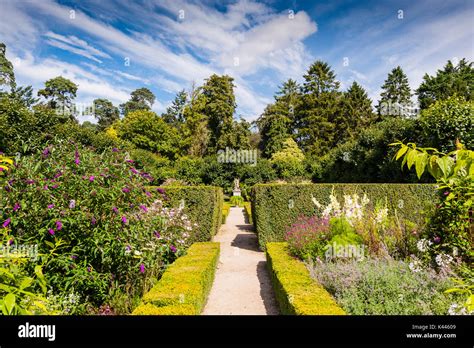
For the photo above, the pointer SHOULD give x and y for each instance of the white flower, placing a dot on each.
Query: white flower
(381, 215)
(443, 260)
(315, 201)
(423, 245)
(136, 252)
(415, 266)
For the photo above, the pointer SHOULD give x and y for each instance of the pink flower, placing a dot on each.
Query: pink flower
(6, 223)
(125, 190)
(124, 219)
(59, 225)
(16, 207)
(142, 268)
(51, 231)
(50, 206)
(148, 193)
(134, 171)
(143, 207)
(173, 248)
(157, 234)
(76, 158)
(93, 221)
(115, 210)
(91, 178)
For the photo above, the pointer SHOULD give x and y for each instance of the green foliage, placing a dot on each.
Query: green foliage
(248, 212)
(174, 114)
(105, 113)
(225, 211)
(140, 99)
(452, 80)
(146, 130)
(59, 93)
(396, 95)
(236, 201)
(277, 206)
(295, 291)
(202, 204)
(307, 237)
(289, 161)
(446, 121)
(7, 76)
(190, 169)
(342, 232)
(157, 166)
(185, 285)
(384, 287)
(451, 226)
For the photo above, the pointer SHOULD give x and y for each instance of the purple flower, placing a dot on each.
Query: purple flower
(142, 268)
(160, 190)
(73, 257)
(93, 221)
(128, 248)
(173, 249)
(148, 193)
(45, 187)
(130, 161)
(6, 223)
(134, 171)
(58, 174)
(446, 193)
(55, 186)
(143, 207)
(126, 190)
(10, 241)
(124, 219)
(16, 207)
(72, 204)
(50, 206)
(51, 231)
(437, 239)
(115, 210)
(157, 234)
(59, 225)
(46, 152)
(1, 169)
(30, 182)
(89, 269)
(76, 157)
(115, 149)
(91, 178)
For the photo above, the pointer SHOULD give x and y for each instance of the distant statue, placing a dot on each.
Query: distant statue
(236, 190)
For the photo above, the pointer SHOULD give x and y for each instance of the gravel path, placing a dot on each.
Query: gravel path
(242, 284)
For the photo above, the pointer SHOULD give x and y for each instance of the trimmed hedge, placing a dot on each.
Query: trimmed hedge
(185, 285)
(248, 211)
(295, 291)
(225, 211)
(276, 206)
(202, 204)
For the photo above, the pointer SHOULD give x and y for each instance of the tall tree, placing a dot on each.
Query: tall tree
(195, 132)
(357, 113)
(219, 108)
(396, 95)
(24, 94)
(140, 99)
(60, 93)
(174, 114)
(320, 107)
(276, 124)
(105, 113)
(7, 76)
(452, 80)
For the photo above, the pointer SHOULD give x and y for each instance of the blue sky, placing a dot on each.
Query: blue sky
(110, 48)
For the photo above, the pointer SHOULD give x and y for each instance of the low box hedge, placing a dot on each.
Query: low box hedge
(185, 285)
(248, 211)
(202, 204)
(225, 211)
(276, 206)
(295, 291)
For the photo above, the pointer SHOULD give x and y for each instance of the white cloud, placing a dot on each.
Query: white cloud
(75, 45)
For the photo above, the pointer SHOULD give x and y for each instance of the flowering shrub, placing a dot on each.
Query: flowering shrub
(307, 237)
(115, 234)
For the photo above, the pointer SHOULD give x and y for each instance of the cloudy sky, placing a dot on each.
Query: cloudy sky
(111, 47)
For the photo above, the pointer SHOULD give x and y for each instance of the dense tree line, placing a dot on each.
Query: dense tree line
(312, 130)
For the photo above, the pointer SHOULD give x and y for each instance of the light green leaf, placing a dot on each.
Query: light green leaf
(401, 152)
(421, 161)
(411, 156)
(9, 302)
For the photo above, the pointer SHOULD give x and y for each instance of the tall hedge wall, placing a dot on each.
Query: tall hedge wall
(202, 204)
(277, 206)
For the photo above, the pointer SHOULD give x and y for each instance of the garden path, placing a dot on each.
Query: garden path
(242, 283)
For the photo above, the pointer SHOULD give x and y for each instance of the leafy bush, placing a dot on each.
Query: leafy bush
(115, 234)
(446, 121)
(248, 212)
(277, 206)
(295, 291)
(342, 232)
(236, 201)
(225, 211)
(185, 285)
(384, 287)
(307, 237)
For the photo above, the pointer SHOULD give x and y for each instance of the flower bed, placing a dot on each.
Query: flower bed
(277, 206)
(185, 285)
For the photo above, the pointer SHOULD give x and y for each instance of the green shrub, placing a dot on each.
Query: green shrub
(185, 285)
(236, 201)
(225, 211)
(277, 206)
(384, 287)
(202, 204)
(342, 232)
(248, 211)
(295, 291)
